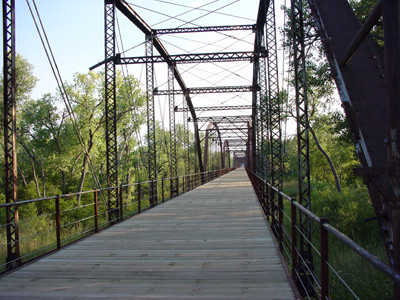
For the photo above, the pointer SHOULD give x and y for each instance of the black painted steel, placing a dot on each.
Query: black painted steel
(111, 111)
(10, 138)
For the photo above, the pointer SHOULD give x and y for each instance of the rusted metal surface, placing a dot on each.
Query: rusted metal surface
(172, 130)
(10, 127)
(364, 93)
(303, 159)
(151, 123)
(111, 110)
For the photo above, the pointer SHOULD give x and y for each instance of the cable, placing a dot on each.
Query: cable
(60, 84)
(198, 8)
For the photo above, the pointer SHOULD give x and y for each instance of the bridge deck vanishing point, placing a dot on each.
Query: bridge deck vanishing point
(210, 243)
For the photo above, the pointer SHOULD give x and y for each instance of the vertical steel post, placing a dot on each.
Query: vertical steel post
(294, 238)
(302, 136)
(10, 137)
(151, 129)
(96, 212)
(263, 130)
(391, 24)
(172, 128)
(58, 221)
(139, 198)
(111, 111)
(280, 221)
(255, 111)
(121, 204)
(324, 259)
(274, 108)
(186, 139)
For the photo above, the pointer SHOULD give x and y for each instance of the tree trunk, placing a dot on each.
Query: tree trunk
(22, 177)
(327, 158)
(43, 180)
(36, 180)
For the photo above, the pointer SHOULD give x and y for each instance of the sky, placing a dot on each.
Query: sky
(75, 30)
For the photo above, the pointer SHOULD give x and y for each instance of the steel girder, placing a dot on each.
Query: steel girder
(188, 58)
(186, 141)
(264, 112)
(227, 119)
(125, 8)
(212, 89)
(203, 29)
(302, 139)
(111, 112)
(172, 129)
(10, 137)
(275, 133)
(151, 124)
(378, 101)
(218, 108)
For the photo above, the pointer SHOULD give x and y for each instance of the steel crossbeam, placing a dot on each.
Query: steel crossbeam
(208, 90)
(226, 119)
(203, 29)
(188, 58)
(218, 108)
(111, 112)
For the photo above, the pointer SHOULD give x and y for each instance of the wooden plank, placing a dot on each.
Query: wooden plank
(210, 243)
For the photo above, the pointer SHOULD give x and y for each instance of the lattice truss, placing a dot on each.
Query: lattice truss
(208, 54)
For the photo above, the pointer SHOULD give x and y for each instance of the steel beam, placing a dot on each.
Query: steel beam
(127, 10)
(391, 23)
(203, 29)
(218, 108)
(111, 112)
(302, 141)
(227, 119)
(151, 124)
(172, 129)
(188, 58)
(365, 102)
(208, 90)
(10, 136)
(186, 142)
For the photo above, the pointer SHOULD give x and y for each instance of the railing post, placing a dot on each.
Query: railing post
(280, 220)
(324, 259)
(294, 238)
(183, 183)
(170, 188)
(58, 222)
(96, 212)
(139, 197)
(162, 190)
(272, 203)
(121, 207)
(154, 193)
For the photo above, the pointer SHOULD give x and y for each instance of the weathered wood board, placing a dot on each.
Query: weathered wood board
(210, 243)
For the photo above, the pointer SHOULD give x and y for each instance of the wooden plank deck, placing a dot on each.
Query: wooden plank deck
(210, 243)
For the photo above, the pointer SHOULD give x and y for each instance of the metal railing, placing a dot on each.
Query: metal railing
(53, 222)
(285, 226)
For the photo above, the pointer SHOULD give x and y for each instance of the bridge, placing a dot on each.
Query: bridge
(217, 222)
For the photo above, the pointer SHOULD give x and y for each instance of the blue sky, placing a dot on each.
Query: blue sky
(76, 31)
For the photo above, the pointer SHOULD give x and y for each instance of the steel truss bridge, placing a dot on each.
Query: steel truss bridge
(369, 88)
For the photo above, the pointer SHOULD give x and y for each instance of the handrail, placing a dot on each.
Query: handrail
(325, 228)
(23, 202)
